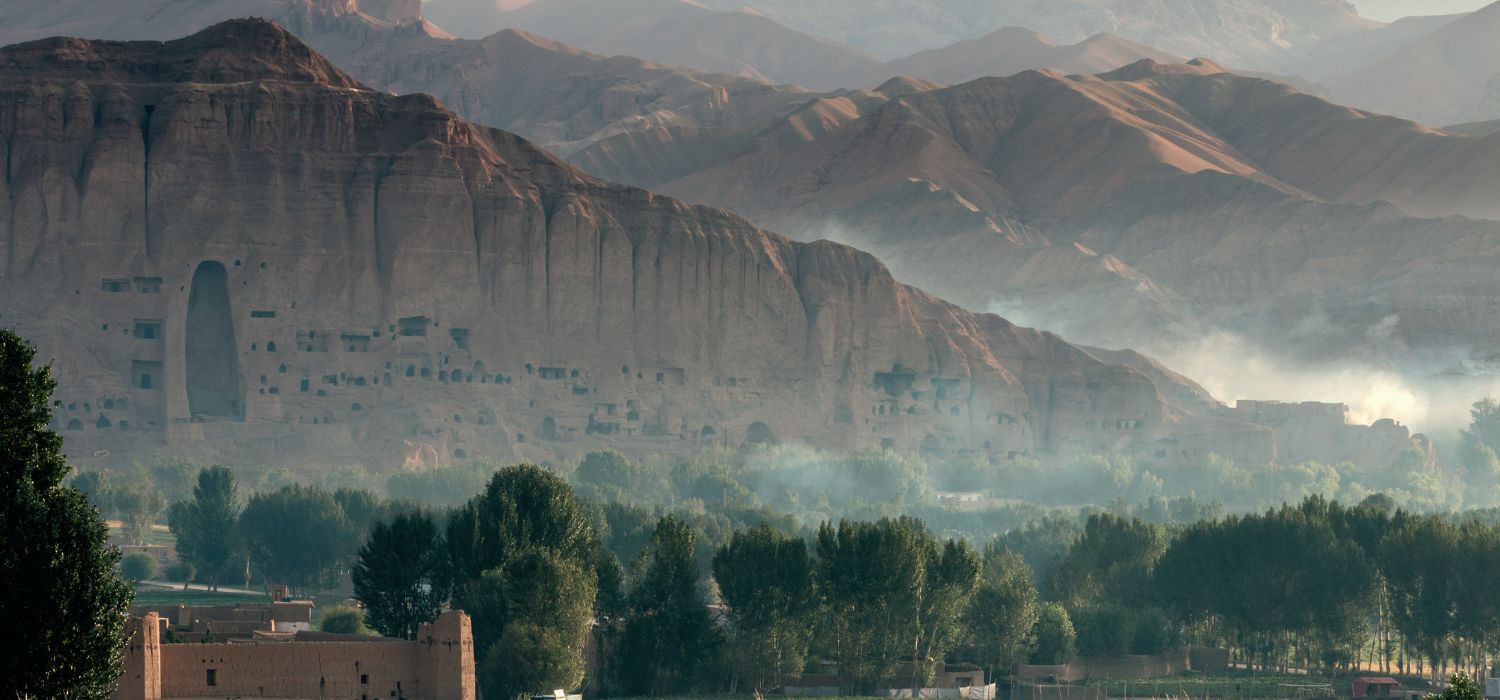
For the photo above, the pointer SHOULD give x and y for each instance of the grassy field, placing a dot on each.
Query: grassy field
(151, 595)
(158, 535)
(1232, 685)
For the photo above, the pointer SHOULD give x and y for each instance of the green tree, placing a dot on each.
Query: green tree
(871, 577)
(1002, 616)
(95, 486)
(207, 527)
(1420, 560)
(138, 505)
(1460, 687)
(401, 575)
(343, 620)
(523, 508)
(138, 567)
(669, 641)
(541, 590)
(56, 570)
(296, 535)
(1110, 563)
(529, 660)
(765, 578)
(609, 473)
(1478, 446)
(953, 575)
(1054, 635)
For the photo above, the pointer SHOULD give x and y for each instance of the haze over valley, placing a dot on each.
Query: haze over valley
(1045, 349)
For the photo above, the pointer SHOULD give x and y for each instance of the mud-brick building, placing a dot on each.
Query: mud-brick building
(438, 665)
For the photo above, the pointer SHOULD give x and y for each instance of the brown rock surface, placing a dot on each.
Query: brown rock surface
(234, 252)
(559, 96)
(1152, 199)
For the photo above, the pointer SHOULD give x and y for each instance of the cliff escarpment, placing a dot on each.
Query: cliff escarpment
(233, 251)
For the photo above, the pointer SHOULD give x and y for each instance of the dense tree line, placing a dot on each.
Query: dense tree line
(542, 568)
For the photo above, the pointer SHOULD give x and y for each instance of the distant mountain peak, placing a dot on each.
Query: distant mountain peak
(234, 51)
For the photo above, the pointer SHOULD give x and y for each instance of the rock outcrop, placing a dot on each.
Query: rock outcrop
(233, 251)
(554, 94)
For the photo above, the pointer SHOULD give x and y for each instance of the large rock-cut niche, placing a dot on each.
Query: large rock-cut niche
(213, 370)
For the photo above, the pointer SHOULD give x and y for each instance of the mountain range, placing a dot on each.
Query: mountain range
(1447, 75)
(233, 250)
(1255, 34)
(1143, 205)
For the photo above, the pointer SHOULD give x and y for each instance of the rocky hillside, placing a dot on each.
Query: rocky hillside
(1448, 75)
(557, 95)
(232, 250)
(1149, 202)
(676, 32)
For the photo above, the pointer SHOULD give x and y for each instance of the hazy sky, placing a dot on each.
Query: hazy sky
(1387, 10)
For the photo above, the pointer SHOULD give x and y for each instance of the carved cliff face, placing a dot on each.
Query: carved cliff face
(234, 251)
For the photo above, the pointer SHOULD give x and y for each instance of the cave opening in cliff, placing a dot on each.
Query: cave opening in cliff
(213, 373)
(759, 434)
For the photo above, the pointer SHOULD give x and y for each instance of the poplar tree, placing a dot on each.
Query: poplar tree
(57, 572)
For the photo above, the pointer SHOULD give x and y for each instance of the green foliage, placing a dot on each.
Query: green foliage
(522, 508)
(765, 578)
(540, 590)
(58, 574)
(609, 474)
(297, 535)
(401, 574)
(1294, 571)
(344, 621)
(441, 487)
(669, 643)
(95, 486)
(138, 566)
(1460, 687)
(1003, 614)
(1111, 563)
(889, 589)
(954, 572)
(530, 660)
(1055, 637)
(525, 552)
(138, 506)
(207, 527)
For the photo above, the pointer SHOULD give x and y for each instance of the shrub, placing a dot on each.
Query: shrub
(138, 566)
(344, 621)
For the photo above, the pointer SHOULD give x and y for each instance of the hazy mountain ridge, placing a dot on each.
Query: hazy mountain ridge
(1449, 75)
(1010, 50)
(980, 192)
(1259, 34)
(675, 32)
(336, 272)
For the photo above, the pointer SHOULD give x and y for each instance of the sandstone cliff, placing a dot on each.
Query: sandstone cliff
(554, 94)
(235, 252)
